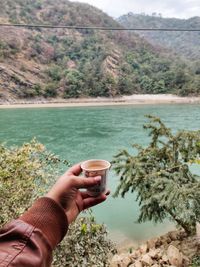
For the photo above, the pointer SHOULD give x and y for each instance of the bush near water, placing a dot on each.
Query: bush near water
(162, 177)
(167, 187)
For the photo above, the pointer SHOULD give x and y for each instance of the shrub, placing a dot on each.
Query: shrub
(25, 172)
(92, 248)
(195, 261)
(55, 73)
(35, 90)
(50, 90)
(160, 174)
(74, 84)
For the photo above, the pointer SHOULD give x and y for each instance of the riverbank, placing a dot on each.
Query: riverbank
(174, 249)
(100, 101)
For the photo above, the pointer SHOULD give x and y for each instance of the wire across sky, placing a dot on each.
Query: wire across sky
(77, 27)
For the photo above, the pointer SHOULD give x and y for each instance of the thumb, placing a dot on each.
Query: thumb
(82, 182)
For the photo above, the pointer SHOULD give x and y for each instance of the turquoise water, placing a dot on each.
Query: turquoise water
(77, 134)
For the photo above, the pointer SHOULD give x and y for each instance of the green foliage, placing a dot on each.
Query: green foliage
(34, 91)
(193, 88)
(146, 84)
(92, 248)
(55, 73)
(38, 89)
(161, 175)
(195, 261)
(154, 74)
(159, 87)
(74, 84)
(27, 172)
(104, 88)
(50, 90)
(128, 86)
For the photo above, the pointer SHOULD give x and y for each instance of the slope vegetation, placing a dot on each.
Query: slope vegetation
(80, 63)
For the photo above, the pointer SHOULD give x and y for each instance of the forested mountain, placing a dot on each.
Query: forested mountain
(80, 63)
(186, 44)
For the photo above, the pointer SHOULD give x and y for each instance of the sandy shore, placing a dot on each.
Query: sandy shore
(100, 101)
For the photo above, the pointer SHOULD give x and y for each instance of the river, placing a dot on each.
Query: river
(82, 133)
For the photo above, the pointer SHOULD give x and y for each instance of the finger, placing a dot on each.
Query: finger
(92, 201)
(86, 195)
(82, 182)
(74, 170)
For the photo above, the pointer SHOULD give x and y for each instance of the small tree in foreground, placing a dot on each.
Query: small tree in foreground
(161, 176)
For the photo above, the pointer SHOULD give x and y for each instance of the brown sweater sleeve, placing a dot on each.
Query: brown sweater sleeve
(48, 216)
(29, 241)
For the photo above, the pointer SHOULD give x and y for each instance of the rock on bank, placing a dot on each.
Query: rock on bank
(174, 249)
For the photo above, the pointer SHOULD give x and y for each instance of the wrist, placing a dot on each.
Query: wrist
(54, 197)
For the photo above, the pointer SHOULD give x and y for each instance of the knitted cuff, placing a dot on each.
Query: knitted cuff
(48, 216)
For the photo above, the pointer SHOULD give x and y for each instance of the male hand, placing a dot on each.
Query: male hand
(66, 192)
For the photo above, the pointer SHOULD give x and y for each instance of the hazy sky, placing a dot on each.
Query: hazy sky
(168, 8)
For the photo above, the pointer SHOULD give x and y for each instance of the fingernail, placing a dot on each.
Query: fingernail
(107, 193)
(97, 178)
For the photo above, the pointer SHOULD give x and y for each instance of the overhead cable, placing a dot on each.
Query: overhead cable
(77, 27)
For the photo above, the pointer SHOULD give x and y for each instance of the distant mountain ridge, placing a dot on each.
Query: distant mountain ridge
(186, 44)
(65, 63)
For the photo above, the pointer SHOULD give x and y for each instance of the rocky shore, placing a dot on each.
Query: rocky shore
(174, 249)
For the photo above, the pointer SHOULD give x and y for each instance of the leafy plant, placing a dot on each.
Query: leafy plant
(161, 175)
(55, 73)
(50, 90)
(195, 261)
(92, 248)
(74, 84)
(25, 173)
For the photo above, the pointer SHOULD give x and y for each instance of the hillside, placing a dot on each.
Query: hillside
(186, 44)
(80, 63)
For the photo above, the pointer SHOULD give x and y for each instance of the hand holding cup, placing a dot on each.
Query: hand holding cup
(94, 168)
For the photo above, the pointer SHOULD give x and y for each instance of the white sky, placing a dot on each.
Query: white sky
(168, 8)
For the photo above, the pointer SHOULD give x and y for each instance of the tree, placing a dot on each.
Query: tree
(74, 84)
(146, 84)
(50, 90)
(55, 73)
(191, 88)
(128, 84)
(159, 87)
(161, 175)
(181, 77)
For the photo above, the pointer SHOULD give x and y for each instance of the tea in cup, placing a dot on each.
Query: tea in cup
(93, 168)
